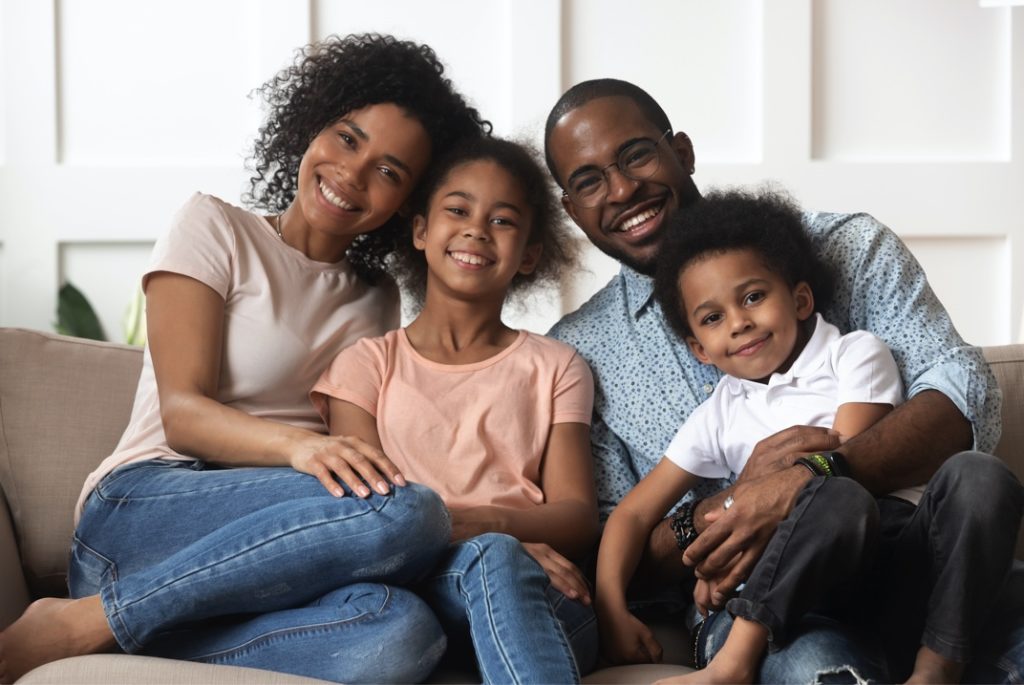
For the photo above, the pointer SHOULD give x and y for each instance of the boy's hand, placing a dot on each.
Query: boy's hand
(626, 640)
(563, 574)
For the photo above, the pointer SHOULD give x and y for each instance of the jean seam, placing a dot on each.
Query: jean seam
(490, 613)
(105, 483)
(222, 655)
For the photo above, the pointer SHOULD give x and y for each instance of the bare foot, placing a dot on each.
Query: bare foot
(933, 668)
(52, 629)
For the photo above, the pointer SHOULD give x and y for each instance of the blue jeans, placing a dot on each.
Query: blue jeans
(489, 592)
(944, 571)
(262, 567)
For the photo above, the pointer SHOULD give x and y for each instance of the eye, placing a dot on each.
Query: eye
(504, 221)
(347, 138)
(753, 298)
(457, 211)
(390, 174)
(637, 155)
(586, 183)
(712, 318)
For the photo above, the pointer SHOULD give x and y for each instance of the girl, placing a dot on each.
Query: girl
(178, 552)
(496, 420)
(735, 280)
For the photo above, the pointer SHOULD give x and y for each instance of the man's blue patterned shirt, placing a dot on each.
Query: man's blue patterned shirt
(647, 382)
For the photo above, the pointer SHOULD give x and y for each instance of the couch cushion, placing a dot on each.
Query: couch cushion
(64, 403)
(100, 669)
(1007, 363)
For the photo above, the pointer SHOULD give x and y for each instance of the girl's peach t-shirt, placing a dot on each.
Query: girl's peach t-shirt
(475, 433)
(285, 318)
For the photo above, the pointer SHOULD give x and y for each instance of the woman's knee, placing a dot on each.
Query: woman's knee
(422, 513)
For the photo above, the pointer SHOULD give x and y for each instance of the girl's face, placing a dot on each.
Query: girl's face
(359, 170)
(744, 317)
(476, 231)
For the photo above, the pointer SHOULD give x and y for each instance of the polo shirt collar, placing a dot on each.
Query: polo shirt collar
(639, 289)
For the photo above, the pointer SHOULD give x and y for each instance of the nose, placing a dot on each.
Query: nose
(741, 322)
(352, 172)
(476, 229)
(620, 186)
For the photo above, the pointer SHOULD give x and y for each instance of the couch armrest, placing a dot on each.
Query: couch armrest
(14, 595)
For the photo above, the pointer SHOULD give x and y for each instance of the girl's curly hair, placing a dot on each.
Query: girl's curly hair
(331, 78)
(547, 227)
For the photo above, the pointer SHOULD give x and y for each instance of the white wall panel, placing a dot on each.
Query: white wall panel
(108, 274)
(3, 92)
(911, 80)
(971, 276)
(702, 61)
(165, 83)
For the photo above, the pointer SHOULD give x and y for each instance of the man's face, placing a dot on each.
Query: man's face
(628, 223)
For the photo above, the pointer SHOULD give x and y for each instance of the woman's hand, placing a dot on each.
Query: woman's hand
(626, 640)
(352, 460)
(563, 574)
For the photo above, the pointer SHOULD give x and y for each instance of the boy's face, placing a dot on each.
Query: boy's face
(745, 318)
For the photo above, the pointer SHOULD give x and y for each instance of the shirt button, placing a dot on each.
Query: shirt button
(708, 388)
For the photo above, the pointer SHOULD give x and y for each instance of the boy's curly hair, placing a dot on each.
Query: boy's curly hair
(547, 226)
(765, 221)
(331, 78)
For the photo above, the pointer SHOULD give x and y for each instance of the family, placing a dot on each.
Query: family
(765, 426)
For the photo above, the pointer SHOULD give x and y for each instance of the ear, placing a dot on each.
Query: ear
(570, 209)
(698, 350)
(803, 296)
(684, 151)
(419, 232)
(531, 257)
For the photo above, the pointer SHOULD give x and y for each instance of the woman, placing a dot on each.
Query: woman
(279, 567)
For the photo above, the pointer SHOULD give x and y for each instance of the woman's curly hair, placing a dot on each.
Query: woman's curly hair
(764, 220)
(547, 227)
(331, 78)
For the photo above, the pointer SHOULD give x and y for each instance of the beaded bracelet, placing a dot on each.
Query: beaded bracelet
(682, 525)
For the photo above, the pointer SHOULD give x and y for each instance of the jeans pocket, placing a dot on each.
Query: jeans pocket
(88, 570)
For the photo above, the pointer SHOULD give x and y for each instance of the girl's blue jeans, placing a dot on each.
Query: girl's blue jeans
(261, 567)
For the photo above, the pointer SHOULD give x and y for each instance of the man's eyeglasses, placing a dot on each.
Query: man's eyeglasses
(638, 161)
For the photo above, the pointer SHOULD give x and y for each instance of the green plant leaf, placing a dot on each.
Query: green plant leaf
(75, 316)
(135, 320)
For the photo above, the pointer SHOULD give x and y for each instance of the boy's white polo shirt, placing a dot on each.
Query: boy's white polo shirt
(833, 369)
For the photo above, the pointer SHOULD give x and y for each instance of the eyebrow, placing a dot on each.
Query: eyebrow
(361, 134)
(470, 197)
(593, 167)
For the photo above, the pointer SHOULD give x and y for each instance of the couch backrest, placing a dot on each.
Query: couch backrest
(64, 403)
(1007, 363)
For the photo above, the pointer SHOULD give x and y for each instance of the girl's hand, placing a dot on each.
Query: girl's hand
(626, 640)
(563, 574)
(330, 458)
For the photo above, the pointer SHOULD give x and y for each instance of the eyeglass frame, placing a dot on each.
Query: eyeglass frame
(617, 165)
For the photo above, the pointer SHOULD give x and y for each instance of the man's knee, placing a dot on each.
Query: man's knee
(969, 479)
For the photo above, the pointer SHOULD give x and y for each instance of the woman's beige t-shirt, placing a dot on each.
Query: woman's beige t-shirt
(475, 433)
(285, 318)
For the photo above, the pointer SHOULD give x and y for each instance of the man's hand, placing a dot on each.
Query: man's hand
(626, 640)
(781, 450)
(727, 550)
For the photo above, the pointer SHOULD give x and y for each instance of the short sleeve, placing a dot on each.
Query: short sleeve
(355, 376)
(696, 448)
(573, 397)
(866, 371)
(199, 244)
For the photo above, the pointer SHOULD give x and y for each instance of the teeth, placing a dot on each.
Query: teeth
(334, 199)
(635, 221)
(467, 258)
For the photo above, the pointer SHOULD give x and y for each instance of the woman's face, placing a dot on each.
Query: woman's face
(359, 170)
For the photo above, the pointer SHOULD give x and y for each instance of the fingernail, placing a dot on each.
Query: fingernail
(382, 487)
(338, 492)
(400, 480)
(363, 491)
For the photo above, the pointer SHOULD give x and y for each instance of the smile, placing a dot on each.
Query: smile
(334, 199)
(751, 348)
(634, 221)
(470, 259)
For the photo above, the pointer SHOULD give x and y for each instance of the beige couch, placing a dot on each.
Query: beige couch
(63, 404)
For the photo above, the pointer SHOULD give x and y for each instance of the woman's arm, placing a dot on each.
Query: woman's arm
(567, 521)
(185, 321)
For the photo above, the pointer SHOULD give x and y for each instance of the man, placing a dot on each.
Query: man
(624, 171)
